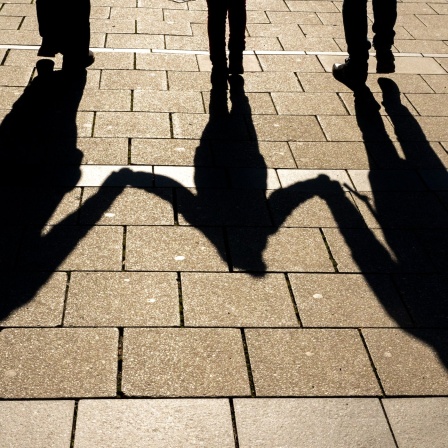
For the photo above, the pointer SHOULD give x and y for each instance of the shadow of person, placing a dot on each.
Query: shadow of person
(41, 166)
(407, 223)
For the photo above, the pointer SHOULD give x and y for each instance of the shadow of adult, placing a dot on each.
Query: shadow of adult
(41, 166)
(406, 235)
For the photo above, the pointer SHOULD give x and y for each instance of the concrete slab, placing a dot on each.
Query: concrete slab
(36, 424)
(122, 299)
(57, 363)
(174, 423)
(310, 363)
(237, 300)
(184, 362)
(311, 422)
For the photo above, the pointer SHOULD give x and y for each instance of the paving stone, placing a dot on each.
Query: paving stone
(288, 63)
(289, 249)
(263, 44)
(290, 128)
(109, 100)
(103, 151)
(311, 5)
(294, 43)
(167, 101)
(56, 363)
(426, 298)
(370, 251)
(115, 176)
(268, 422)
(274, 30)
(8, 96)
(250, 63)
(308, 104)
(252, 154)
(418, 421)
(254, 178)
(36, 424)
(141, 12)
(259, 103)
(169, 152)
(390, 180)
(73, 247)
(136, 422)
(132, 124)
(411, 363)
(175, 249)
(310, 363)
(134, 40)
(314, 180)
(184, 362)
(321, 82)
(171, 62)
(236, 300)
(219, 207)
(439, 83)
(420, 46)
(293, 207)
(345, 300)
(270, 81)
(112, 26)
(302, 18)
(407, 209)
(269, 5)
(330, 155)
(331, 31)
(430, 105)
(198, 42)
(15, 76)
(18, 37)
(130, 206)
(173, 15)
(443, 62)
(122, 299)
(133, 79)
(34, 306)
(116, 61)
(10, 23)
(189, 177)
(189, 81)
(151, 26)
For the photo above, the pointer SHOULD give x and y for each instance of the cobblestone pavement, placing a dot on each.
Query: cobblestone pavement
(175, 277)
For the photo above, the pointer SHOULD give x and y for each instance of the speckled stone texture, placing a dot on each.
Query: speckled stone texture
(310, 363)
(53, 363)
(184, 362)
(154, 423)
(311, 422)
(36, 424)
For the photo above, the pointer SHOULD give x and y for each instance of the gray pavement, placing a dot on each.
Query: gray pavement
(174, 277)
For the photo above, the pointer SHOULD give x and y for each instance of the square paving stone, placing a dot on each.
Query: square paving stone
(412, 210)
(184, 362)
(373, 251)
(330, 155)
(129, 206)
(310, 363)
(418, 421)
(311, 422)
(426, 298)
(216, 207)
(74, 247)
(103, 151)
(411, 363)
(289, 128)
(122, 299)
(345, 300)
(155, 423)
(34, 300)
(55, 363)
(293, 207)
(288, 249)
(175, 249)
(168, 101)
(237, 300)
(308, 103)
(132, 124)
(36, 424)
(169, 152)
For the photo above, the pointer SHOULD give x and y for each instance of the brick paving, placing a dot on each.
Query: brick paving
(277, 277)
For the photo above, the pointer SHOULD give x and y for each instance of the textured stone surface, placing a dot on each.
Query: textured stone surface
(311, 422)
(418, 421)
(53, 363)
(342, 300)
(184, 362)
(122, 299)
(310, 363)
(236, 300)
(410, 363)
(36, 424)
(137, 423)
